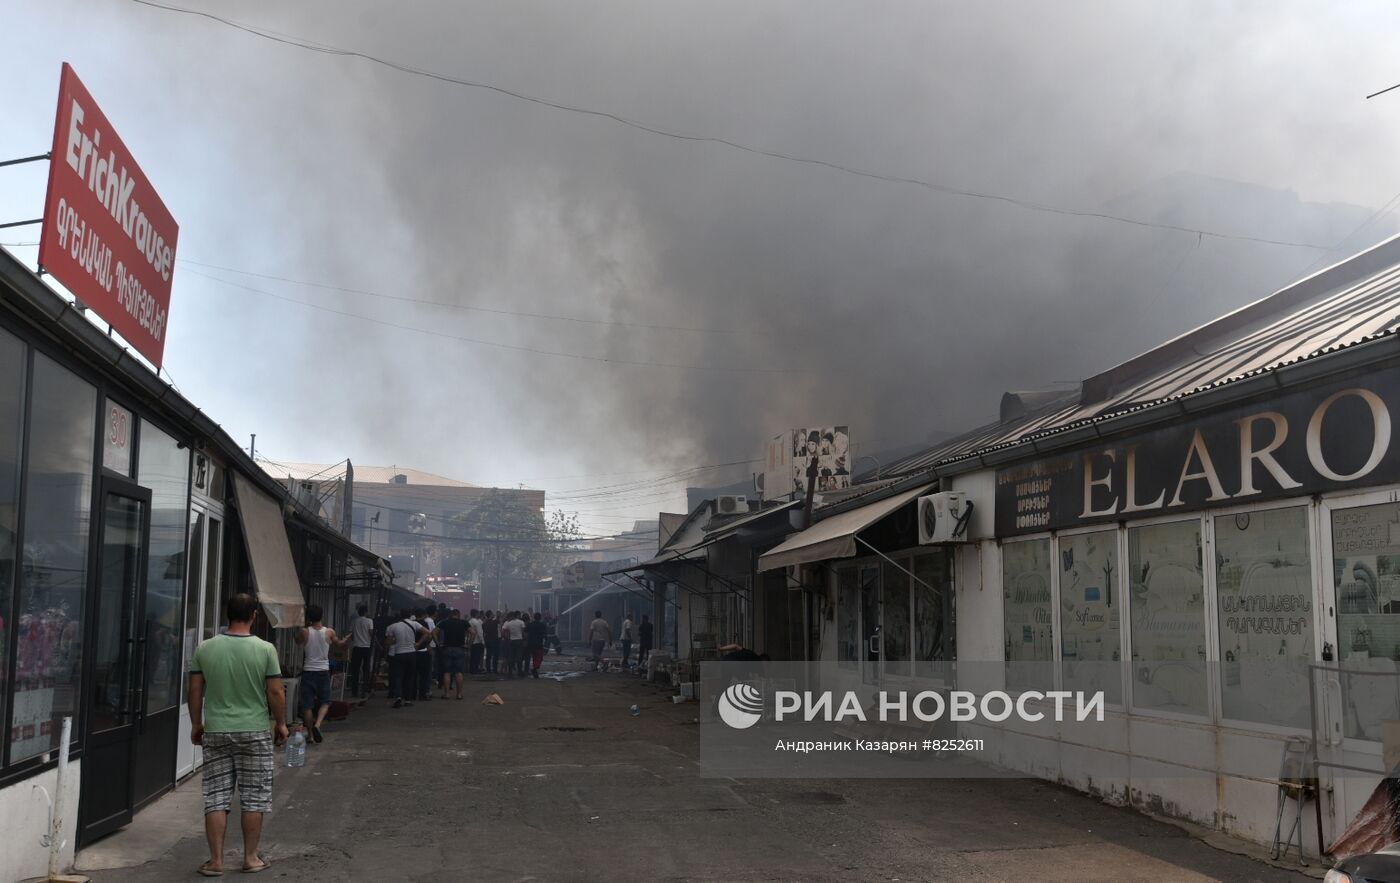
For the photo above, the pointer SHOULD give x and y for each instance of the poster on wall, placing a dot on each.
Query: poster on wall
(830, 445)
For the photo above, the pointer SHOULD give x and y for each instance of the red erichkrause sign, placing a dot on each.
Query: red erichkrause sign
(107, 236)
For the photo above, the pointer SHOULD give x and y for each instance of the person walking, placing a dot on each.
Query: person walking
(426, 649)
(599, 636)
(456, 633)
(522, 667)
(551, 636)
(626, 638)
(534, 642)
(491, 640)
(316, 641)
(513, 633)
(235, 686)
(403, 637)
(478, 645)
(361, 651)
(644, 634)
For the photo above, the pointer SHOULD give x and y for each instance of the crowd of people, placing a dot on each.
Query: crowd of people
(434, 647)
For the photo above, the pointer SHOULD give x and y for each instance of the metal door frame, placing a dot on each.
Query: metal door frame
(111, 485)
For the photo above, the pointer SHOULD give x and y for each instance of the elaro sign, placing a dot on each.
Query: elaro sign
(107, 236)
(1327, 437)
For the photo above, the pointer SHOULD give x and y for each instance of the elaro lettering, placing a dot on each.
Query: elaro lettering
(1333, 436)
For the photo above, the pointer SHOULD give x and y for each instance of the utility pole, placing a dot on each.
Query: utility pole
(252, 446)
(811, 490)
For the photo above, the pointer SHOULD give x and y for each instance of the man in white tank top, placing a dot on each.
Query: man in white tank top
(316, 670)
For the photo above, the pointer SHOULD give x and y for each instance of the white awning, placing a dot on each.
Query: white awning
(833, 537)
(274, 574)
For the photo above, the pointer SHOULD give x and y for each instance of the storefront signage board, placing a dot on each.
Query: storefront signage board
(1326, 437)
(107, 237)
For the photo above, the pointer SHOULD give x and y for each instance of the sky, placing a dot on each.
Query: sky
(571, 303)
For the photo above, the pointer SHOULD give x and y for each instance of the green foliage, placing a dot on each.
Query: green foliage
(526, 542)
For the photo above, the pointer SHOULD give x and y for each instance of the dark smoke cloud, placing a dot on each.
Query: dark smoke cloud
(896, 310)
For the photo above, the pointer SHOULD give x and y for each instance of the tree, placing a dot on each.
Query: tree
(510, 538)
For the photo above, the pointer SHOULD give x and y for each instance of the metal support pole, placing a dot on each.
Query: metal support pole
(21, 223)
(56, 840)
(24, 159)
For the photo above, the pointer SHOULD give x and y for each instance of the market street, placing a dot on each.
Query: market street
(562, 783)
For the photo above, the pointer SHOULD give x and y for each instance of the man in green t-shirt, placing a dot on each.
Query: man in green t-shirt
(235, 685)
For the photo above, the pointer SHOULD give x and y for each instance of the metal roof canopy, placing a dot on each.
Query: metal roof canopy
(689, 554)
(835, 536)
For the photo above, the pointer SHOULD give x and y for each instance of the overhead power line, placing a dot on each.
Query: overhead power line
(648, 128)
(456, 306)
(495, 343)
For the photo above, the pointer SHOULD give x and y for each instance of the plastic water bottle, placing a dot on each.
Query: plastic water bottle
(296, 748)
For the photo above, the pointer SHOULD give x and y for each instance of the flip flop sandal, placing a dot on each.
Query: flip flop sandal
(266, 863)
(206, 871)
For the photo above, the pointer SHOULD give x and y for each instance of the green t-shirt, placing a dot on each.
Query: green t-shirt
(235, 669)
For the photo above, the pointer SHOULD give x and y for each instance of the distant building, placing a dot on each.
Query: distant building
(639, 542)
(400, 513)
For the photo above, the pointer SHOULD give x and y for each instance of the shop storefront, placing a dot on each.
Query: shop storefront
(118, 546)
(1208, 535)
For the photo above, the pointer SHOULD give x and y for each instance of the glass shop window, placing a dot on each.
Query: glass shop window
(894, 632)
(1366, 576)
(935, 634)
(1168, 617)
(53, 575)
(1089, 614)
(12, 370)
(1029, 622)
(847, 617)
(1264, 585)
(164, 468)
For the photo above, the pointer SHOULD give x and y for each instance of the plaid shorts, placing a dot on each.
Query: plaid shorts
(242, 759)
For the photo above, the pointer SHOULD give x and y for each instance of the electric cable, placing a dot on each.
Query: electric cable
(1026, 204)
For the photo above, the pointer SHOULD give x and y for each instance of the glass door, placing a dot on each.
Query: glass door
(870, 624)
(113, 702)
(203, 607)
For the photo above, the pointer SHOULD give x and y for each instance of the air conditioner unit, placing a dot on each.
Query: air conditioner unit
(943, 518)
(731, 504)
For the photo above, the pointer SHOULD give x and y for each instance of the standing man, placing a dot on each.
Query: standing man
(644, 640)
(402, 638)
(626, 638)
(456, 632)
(551, 635)
(239, 676)
(361, 648)
(513, 633)
(491, 634)
(317, 641)
(599, 636)
(482, 644)
(426, 649)
(534, 642)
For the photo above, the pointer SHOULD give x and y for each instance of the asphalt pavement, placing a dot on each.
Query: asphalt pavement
(562, 783)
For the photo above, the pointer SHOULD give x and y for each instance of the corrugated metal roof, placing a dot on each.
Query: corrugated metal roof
(1356, 303)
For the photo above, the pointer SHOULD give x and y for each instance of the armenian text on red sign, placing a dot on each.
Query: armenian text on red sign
(107, 236)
